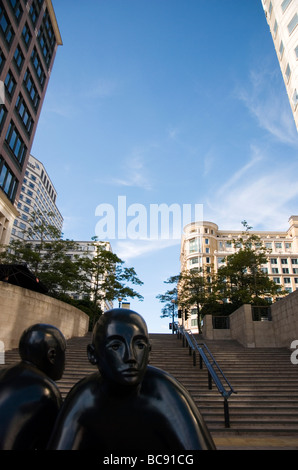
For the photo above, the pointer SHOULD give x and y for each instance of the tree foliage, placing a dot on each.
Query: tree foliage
(84, 279)
(241, 280)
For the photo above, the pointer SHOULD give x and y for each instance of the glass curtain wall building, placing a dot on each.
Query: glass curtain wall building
(29, 38)
(282, 18)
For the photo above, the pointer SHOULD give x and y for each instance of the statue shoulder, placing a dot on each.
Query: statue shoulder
(159, 375)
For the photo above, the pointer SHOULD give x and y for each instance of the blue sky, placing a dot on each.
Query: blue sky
(167, 101)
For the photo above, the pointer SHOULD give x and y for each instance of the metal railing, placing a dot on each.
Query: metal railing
(261, 313)
(214, 371)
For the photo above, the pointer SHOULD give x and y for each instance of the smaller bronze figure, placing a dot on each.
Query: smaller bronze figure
(29, 398)
(128, 405)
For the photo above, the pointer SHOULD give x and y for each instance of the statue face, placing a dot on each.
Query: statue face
(124, 353)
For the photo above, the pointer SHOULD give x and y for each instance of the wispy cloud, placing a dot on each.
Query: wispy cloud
(102, 88)
(132, 249)
(261, 192)
(265, 97)
(134, 171)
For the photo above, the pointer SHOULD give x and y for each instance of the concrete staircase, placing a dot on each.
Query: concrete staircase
(263, 413)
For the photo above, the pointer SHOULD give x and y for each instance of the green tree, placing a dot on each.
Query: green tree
(241, 279)
(170, 299)
(196, 290)
(84, 280)
(103, 277)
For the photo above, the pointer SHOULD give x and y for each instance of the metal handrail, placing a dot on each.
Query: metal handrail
(211, 366)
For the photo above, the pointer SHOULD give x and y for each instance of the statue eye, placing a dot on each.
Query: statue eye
(114, 345)
(141, 344)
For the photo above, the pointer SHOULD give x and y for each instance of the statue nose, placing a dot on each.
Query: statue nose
(129, 353)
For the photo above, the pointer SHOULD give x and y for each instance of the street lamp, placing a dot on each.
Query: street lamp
(173, 314)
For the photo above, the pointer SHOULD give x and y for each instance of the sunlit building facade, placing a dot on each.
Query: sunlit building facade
(38, 196)
(205, 246)
(282, 18)
(29, 38)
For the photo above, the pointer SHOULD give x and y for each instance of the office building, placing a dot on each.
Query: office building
(282, 18)
(38, 196)
(29, 38)
(90, 250)
(205, 246)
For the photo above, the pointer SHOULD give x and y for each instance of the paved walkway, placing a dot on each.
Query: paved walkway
(256, 443)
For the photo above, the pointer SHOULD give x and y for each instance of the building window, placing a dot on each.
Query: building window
(5, 27)
(8, 182)
(3, 114)
(31, 89)
(293, 23)
(270, 9)
(276, 280)
(281, 49)
(273, 260)
(33, 12)
(24, 114)
(19, 58)
(275, 28)
(27, 36)
(193, 246)
(16, 143)
(285, 270)
(285, 5)
(294, 260)
(296, 280)
(2, 60)
(295, 270)
(284, 261)
(288, 72)
(17, 9)
(275, 271)
(38, 67)
(278, 245)
(287, 280)
(10, 84)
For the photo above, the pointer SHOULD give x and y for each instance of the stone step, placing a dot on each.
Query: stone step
(266, 403)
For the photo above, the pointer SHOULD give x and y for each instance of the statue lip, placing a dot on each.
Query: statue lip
(130, 371)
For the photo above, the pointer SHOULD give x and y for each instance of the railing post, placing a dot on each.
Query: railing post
(189, 351)
(194, 358)
(209, 381)
(201, 362)
(227, 414)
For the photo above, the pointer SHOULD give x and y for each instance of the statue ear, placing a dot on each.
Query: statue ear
(51, 355)
(92, 356)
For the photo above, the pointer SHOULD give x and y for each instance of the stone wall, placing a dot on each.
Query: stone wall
(280, 332)
(285, 319)
(21, 308)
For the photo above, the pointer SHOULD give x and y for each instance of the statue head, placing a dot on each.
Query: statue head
(120, 347)
(44, 346)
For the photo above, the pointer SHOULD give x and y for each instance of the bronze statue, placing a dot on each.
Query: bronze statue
(128, 404)
(29, 398)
